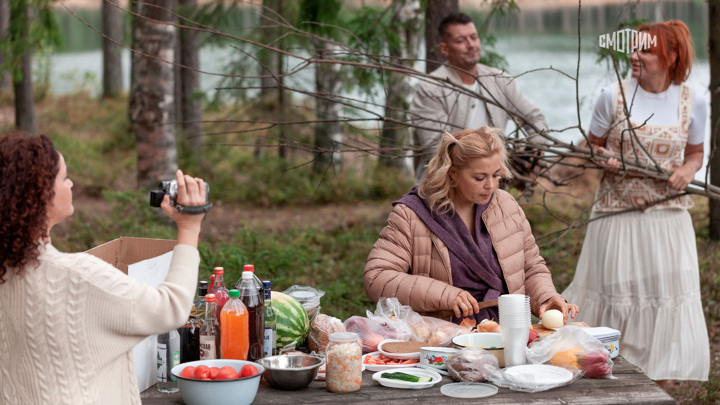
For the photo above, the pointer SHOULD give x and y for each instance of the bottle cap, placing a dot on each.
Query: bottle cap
(247, 275)
(210, 298)
(249, 267)
(266, 284)
(233, 293)
(218, 270)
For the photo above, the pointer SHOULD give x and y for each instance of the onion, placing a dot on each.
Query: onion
(486, 325)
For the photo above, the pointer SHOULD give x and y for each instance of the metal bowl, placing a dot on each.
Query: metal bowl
(290, 372)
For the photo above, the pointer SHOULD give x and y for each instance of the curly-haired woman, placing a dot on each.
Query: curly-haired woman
(69, 321)
(456, 240)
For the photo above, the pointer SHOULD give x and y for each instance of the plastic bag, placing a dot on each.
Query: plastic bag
(437, 332)
(372, 331)
(574, 349)
(472, 365)
(533, 377)
(320, 329)
(308, 297)
(395, 316)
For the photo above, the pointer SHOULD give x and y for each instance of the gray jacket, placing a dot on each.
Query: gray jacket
(440, 106)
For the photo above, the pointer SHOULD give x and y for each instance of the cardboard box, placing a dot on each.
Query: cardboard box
(125, 251)
(122, 253)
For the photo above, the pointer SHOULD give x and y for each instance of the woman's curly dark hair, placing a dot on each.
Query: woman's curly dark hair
(28, 166)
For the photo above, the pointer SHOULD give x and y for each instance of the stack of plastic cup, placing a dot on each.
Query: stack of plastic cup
(514, 311)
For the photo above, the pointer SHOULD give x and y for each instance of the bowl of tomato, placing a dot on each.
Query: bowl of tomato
(218, 382)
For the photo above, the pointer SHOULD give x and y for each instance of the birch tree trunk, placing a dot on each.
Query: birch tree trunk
(112, 61)
(405, 23)
(714, 56)
(328, 134)
(435, 12)
(151, 100)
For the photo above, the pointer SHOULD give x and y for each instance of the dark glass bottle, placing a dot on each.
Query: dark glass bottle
(190, 339)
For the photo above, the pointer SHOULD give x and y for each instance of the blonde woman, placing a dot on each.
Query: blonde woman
(456, 241)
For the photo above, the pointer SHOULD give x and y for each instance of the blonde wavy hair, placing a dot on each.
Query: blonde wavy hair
(458, 150)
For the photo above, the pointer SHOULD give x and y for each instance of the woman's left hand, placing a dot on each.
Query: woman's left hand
(681, 177)
(559, 303)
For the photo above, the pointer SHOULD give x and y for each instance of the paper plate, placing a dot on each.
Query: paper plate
(537, 375)
(380, 367)
(403, 356)
(468, 390)
(435, 378)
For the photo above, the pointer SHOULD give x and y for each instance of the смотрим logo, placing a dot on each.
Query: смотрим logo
(627, 40)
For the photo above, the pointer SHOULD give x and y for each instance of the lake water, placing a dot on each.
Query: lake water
(534, 39)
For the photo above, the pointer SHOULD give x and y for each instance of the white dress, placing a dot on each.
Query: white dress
(638, 271)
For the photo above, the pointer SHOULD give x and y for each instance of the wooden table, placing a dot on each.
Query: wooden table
(630, 387)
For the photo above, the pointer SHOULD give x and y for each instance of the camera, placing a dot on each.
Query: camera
(169, 187)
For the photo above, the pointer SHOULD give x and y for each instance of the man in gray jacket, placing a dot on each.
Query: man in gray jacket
(451, 104)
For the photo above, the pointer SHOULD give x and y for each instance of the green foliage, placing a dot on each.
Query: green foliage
(39, 33)
(319, 16)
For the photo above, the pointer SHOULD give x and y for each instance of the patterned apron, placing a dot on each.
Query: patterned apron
(665, 143)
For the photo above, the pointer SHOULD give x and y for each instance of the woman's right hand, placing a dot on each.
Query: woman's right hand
(465, 305)
(190, 192)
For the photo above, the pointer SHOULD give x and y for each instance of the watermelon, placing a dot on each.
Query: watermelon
(293, 324)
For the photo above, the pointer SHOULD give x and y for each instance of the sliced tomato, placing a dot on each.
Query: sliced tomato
(187, 372)
(248, 370)
(227, 373)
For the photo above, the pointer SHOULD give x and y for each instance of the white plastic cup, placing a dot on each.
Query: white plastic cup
(515, 345)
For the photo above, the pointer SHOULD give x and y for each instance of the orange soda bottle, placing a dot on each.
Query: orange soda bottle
(234, 334)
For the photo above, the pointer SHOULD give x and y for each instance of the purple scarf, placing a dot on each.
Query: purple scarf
(475, 266)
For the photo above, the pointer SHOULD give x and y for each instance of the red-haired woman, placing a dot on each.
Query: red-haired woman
(638, 270)
(69, 321)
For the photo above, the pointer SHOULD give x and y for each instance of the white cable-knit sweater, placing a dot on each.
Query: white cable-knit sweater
(68, 326)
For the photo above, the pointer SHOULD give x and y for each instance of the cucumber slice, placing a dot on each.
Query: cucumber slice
(405, 377)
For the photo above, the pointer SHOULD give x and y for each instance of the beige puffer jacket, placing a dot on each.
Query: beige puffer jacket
(411, 263)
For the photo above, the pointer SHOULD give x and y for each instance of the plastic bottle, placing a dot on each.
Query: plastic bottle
(209, 335)
(256, 280)
(270, 337)
(190, 338)
(256, 319)
(168, 356)
(219, 289)
(234, 339)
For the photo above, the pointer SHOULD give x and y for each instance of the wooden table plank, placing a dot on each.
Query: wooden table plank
(630, 387)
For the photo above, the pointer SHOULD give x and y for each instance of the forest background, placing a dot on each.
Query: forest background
(304, 212)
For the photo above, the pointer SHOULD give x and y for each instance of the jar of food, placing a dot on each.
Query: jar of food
(343, 362)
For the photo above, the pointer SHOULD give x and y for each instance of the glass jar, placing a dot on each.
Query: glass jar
(343, 358)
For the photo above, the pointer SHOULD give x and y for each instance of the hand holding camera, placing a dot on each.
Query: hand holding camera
(180, 197)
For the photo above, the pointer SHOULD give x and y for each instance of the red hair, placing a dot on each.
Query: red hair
(28, 167)
(674, 48)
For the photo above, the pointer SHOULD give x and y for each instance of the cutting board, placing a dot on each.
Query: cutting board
(542, 331)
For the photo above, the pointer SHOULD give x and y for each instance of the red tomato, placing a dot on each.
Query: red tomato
(214, 372)
(201, 373)
(248, 370)
(187, 372)
(227, 373)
